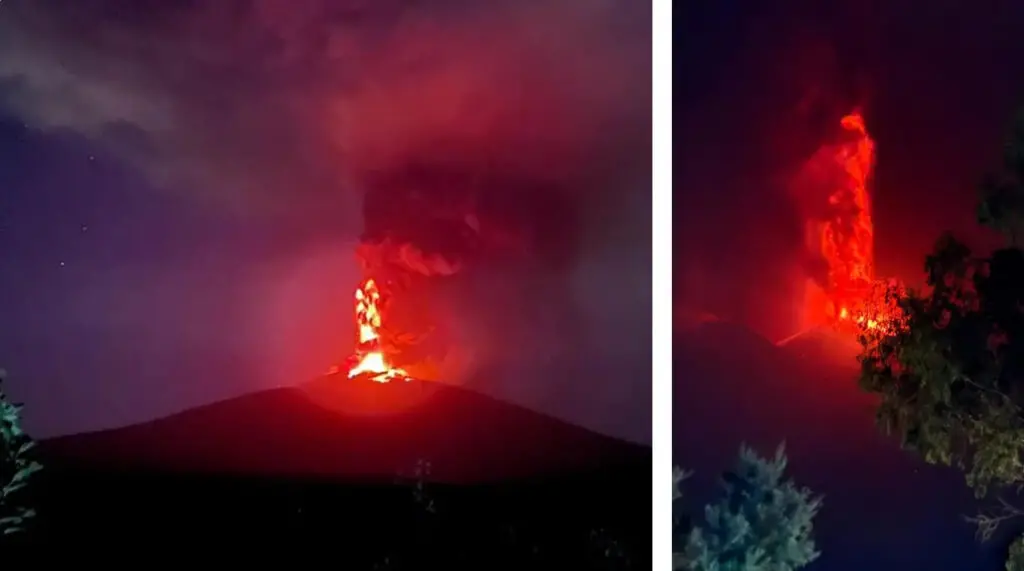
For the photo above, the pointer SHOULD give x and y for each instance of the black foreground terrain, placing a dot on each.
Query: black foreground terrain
(426, 475)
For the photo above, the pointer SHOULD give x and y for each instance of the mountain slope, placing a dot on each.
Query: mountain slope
(311, 472)
(337, 428)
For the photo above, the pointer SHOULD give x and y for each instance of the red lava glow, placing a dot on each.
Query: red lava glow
(855, 299)
(847, 240)
(369, 359)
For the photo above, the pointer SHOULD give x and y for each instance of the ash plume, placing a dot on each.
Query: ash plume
(512, 137)
(287, 107)
(760, 113)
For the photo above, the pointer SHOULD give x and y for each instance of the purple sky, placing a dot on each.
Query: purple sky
(181, 189)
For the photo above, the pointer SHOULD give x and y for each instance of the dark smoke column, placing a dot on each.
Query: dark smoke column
(432, 227)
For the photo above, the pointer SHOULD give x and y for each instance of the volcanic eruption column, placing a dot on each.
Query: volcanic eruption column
(426, 226)
(841, 232)
(369, 357)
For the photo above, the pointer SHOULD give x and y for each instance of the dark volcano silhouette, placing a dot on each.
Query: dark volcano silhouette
(354, 430)
(883, 509)
(329, 469)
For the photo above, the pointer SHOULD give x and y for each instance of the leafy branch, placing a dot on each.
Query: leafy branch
(16, 467)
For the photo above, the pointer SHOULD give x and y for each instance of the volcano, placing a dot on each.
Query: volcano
(403, 473)
(355, 430)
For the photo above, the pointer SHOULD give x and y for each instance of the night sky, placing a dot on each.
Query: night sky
(761, 84)
(181, 191)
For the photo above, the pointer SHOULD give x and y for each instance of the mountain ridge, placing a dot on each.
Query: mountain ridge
(340, 428)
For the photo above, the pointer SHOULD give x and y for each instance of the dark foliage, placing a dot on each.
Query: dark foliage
(762, 522)
(577, 522)
(1015, 560)
(950, 374)
(17, 468)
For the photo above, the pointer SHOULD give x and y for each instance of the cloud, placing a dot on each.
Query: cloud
(286, 107)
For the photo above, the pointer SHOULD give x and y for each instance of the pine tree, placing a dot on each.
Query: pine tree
(763, 523)
(16, 467)
(681, 524)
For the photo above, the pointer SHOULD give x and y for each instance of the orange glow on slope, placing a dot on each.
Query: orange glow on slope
(369, 358)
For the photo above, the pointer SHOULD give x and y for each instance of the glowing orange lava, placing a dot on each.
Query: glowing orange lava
(847, 241)
(857, 299)
(369, 358)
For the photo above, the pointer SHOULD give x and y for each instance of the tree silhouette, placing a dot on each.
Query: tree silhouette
(16, 467)
(762, 522)
(1002, 205)
(1015, 560)
(951, 376)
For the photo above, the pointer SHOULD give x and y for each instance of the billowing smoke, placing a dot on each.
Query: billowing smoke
(743, 225)
(832, 192)
(767, 86)
(289, 107)
(495, 154)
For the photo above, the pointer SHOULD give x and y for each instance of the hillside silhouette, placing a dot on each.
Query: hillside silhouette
(409, 472)
(733, 386)
(334, 427)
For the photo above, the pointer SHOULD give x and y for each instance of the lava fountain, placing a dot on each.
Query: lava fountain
(847, 239)
(843, 235)
(369, 358)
